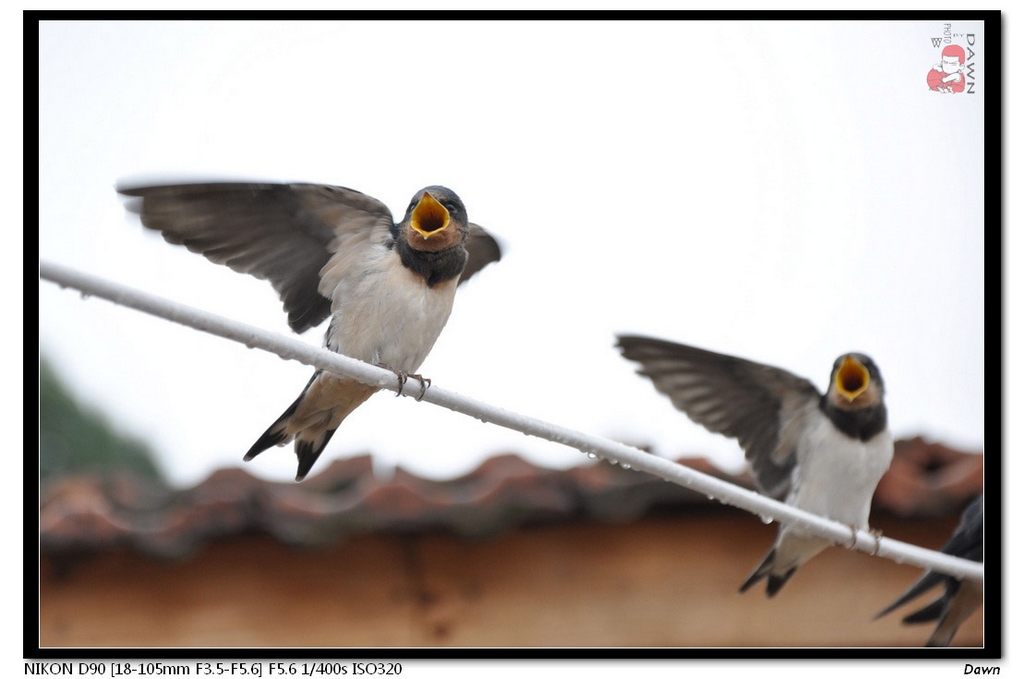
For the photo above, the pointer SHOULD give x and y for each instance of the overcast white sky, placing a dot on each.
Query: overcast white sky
(785, 192)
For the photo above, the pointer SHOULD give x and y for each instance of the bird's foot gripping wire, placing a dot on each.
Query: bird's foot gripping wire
(877, 535)
(853, 536)
(403, 377)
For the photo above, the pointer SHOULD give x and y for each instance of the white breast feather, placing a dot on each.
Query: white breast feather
(838, 474)
(385, 314)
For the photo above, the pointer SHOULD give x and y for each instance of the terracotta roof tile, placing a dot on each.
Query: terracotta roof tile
(92, 513)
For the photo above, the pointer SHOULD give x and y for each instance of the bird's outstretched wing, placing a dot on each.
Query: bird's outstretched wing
(285, 233)
(483, 249)
(763, 407)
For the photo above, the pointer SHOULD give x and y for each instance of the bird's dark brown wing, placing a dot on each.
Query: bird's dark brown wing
(483, 249)
(281, 232)
(762, 407)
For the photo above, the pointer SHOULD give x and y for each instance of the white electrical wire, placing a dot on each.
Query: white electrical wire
(727, 493)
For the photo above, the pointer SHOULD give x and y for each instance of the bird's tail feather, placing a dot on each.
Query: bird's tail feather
(309, 451)
(923, 584)
(932, 611)
(764, 570)
(313, 418)
(274, 435)
(760, 572)
(944, 632)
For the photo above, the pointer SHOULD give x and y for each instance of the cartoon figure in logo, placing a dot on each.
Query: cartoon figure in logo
(947, 76)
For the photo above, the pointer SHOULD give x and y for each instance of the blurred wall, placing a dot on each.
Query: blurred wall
(669, 579)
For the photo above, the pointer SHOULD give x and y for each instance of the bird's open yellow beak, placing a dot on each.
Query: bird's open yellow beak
(429, 217)
(852, 378)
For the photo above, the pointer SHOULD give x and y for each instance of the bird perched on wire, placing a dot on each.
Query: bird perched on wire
(959, 598)
(823, 453)
(331, 251)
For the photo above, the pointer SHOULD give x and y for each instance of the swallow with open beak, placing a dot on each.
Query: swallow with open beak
(823, 453)
(959, 598)
(387, 287)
